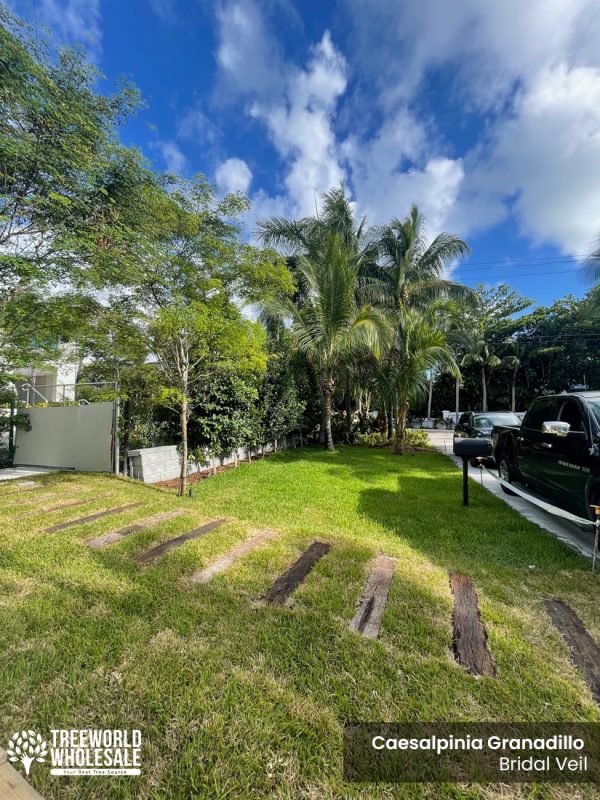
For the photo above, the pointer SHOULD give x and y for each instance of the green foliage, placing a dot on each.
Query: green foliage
(68, 189)
(374, 439)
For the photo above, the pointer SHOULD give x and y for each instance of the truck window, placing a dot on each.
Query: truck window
(464, 419)
(542, 410)
(570, 412)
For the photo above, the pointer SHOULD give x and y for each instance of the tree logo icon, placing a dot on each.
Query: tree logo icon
(27, 747)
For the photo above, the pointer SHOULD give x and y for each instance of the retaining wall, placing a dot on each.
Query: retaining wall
(154, 464)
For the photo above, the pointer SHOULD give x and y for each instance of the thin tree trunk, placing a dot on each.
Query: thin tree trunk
(327, 392)
(126, 434)
(456, 400)
(429, 399)
(348, 405)
(390, 423)
(184, 446)
(513, 393)
(483, 390)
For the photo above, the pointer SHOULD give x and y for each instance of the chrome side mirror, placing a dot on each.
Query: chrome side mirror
(556, 428)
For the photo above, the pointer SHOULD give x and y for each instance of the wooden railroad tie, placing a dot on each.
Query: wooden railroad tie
(91, 518)
(98, 542)
(584, 650)
(149, 556)
(369, 613)
(469, 641)
(223, 563)
(293, 577)
(12, 785)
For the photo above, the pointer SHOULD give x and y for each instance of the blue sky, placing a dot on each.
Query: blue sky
(487, 115)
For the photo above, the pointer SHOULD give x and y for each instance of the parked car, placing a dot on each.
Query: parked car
(479, 425)
(556, 451)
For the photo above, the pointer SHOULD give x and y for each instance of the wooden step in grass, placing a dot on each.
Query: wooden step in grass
(371, 606)
(91, 517)
(240, 550)
(99, 542)
(469, 641)
(585, 653)
(296, 574)
(12, 785)
(149, 556)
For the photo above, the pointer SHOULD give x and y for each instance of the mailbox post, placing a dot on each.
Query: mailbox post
(466, 449)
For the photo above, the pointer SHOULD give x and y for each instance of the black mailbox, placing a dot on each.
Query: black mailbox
(472, 448)
(466, 449)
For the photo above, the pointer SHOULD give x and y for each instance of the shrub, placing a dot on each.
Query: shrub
(416, 437)
(372, 439)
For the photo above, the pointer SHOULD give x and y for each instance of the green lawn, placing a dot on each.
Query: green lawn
(238, 700)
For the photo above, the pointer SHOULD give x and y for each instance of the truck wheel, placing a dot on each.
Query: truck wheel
(506, 473)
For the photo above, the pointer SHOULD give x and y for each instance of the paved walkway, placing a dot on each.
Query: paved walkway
(10, 473)
(567, 532)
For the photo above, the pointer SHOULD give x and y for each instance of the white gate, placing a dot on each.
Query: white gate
(68, 437)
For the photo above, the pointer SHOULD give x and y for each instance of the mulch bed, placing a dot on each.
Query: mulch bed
(197, 477)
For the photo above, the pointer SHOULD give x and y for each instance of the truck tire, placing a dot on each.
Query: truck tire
(506, 472)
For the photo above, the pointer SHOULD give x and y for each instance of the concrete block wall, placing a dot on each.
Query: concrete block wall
(154, 464)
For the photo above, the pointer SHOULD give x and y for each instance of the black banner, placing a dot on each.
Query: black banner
(472, 752)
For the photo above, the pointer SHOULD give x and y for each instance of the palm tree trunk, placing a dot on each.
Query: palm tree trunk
(429, 399)
(327, 392)
(348, 405)
(483, 390)
(401, 427)
(390, 423)
(323, 414)
(513, 392)
(456, 400)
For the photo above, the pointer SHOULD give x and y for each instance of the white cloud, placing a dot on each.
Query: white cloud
(70, 21)
(297, 105)
(174, 159)
(233, 175)
(532, 69)
(531, 73)
(165, 10)
(195, 124)
(544, 161)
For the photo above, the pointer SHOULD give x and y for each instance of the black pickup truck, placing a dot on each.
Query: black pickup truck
(556, 451)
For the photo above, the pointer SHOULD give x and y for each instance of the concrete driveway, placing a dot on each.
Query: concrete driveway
(10, 473)
(567, 532)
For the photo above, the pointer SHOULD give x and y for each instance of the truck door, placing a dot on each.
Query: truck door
(534, 448)
(568, 468)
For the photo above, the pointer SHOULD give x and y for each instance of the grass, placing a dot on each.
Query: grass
(238, 700)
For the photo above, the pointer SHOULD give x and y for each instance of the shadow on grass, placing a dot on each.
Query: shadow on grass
(426, 511)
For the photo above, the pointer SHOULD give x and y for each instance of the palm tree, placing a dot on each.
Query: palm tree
(513, 362)
(411, 270)
(420, 345)
(307, 238)
(481, 354)
(329, 324)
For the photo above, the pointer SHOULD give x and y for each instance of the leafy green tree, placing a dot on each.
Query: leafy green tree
(330, 326)
(192, 341)
(419, 346)
(282, 406)
(69, 192)
(488, 322)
